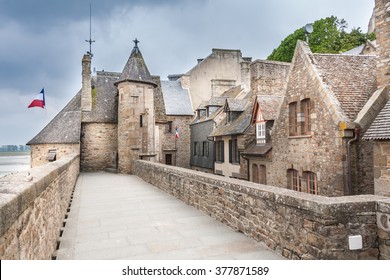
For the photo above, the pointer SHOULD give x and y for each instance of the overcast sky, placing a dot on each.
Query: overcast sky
(42, 42)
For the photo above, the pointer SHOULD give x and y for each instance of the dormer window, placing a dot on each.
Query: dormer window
(261, 133)
(229, 117)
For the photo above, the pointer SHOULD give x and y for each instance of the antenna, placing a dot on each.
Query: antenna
(90, 41)
(308, 30)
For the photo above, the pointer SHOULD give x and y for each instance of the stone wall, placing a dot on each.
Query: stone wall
(382, 168)
(178, 148)
(39, 152)
(298, 225)
(99, 145)
(269, 77)
(220, 65)
(323, 150)
(32, 211)
(382, 30)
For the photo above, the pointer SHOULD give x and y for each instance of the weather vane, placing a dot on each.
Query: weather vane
(90, 41)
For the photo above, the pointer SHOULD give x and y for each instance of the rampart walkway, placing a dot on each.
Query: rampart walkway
(122, 217)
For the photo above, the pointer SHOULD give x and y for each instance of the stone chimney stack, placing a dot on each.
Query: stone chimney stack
(382, 29)
(86, 91)
(245, 74)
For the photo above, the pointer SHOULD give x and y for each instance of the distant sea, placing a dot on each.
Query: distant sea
(12, 162)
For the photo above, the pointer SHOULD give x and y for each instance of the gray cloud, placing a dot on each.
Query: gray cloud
(42, 42)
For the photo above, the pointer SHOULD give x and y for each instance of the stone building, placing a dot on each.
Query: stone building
(119, 117)
(379, 132)
(317, 145)
(229, 137)
(215, 74)
(209, 115)
(258, 153)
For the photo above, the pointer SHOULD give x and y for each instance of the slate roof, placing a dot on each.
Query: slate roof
(237, 105)
(202, 106)
(217, 101)
(350, 77)
(239, 125)
(159, 105)
(380, 128)
(269, 105)
(105, 100)
(135, 69)
(64, 128)
(257, 150)
(233, 92)
(177, 100)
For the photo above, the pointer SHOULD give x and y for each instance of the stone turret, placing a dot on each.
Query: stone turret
(135, 112)
(86, 94)
(382, 30)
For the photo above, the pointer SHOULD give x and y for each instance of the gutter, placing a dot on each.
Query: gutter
(349, 159)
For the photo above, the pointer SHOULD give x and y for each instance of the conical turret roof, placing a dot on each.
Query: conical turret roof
(135, 69)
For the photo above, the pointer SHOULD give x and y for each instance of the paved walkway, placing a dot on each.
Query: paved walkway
(122, 217)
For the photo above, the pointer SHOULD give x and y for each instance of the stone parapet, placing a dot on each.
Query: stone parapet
(298, 225)
(32, 208)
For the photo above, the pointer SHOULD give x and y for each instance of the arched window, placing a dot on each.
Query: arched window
(262, 174)
(255, 173)
(311, 182)
(294, 180)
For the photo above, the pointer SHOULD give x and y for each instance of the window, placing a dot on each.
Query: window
(262, 174)
(293, 124)
(220, 151)
(311, 181)
(260, 133)
(294, 181)
(234, 153)
(205, 149)
(140, 120)
(168, 127)
(305, 110)
(168, 159)
(229, 117)
(196, 149)
(255, 173)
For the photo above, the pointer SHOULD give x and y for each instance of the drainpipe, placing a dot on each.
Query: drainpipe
(357, 131)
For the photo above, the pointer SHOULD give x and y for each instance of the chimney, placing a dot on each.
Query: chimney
(86, 91)
(245, 74)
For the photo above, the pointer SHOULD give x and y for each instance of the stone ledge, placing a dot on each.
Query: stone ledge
(17, 194)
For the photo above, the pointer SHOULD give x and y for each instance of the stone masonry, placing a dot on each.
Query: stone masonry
(32, 212)
(39, 152)
(99, 144)
(382, 30)
(298, 225)
(269, 77)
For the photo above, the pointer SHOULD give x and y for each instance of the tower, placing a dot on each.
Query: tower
(382, 30)
(135, 112)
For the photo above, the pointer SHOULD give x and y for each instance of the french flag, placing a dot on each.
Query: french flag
(177, 132)
(39, 100)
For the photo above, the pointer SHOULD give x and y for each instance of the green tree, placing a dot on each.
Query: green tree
(329, 36)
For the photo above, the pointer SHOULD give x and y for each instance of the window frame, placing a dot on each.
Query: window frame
(311, 181)
(294, 180)
(168, 127)
(261, 127)
(293, 118)
(306, 111)
(220, 151)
